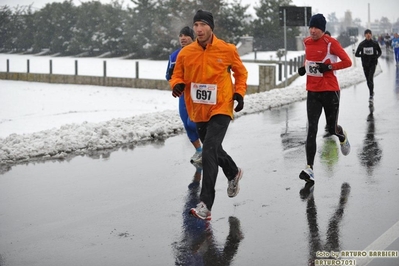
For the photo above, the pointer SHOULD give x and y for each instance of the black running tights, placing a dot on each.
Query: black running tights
(316, 102)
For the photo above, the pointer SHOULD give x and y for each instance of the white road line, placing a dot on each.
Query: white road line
(380, 243)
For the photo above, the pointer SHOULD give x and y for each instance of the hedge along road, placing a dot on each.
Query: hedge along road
(129, 207)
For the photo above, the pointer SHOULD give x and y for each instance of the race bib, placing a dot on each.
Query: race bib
(312, 69)
(204, 93)
(368, 50)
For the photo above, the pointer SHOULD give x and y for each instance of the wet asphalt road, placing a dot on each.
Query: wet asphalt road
(129, 207)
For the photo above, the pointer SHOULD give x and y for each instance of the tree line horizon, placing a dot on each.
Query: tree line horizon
(149, 30)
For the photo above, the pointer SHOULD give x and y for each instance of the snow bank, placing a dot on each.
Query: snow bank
(82, 138)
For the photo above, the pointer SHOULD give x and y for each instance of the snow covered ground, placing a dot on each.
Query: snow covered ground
(116, 67)
(41, 121)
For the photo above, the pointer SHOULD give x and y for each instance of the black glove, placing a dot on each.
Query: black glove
(178, 90)
(301, 71)
(324, 67)
(237, 97)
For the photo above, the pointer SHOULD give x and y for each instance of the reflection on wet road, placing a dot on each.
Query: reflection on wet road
(317, 248)
(371, 153)
(198, 245)
(329, 154)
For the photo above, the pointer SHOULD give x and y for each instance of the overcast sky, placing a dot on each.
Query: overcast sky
(359, 8)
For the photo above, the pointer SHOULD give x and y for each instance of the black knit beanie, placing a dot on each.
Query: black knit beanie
(204, 16)
(187, 31)
(367, 31)
(318, 21)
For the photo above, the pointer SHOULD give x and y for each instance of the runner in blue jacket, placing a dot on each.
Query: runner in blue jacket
(186, 37)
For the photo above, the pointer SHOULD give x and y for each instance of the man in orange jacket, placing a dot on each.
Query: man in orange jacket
(203, 70)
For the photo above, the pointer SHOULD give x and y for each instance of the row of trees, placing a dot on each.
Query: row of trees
(149, 29)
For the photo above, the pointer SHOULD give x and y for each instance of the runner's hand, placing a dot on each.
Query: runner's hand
(324, 67)
(301, 71)
(178, 90)
(237, 97)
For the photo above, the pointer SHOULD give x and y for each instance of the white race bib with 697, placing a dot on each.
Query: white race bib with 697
(204, 93)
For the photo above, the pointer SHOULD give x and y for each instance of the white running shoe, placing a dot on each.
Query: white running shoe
(307, 174)
(345, 145)
(197, 157)
(233, 186)
(201, 211)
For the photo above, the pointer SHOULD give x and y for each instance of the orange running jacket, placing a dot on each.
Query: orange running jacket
(206, 74)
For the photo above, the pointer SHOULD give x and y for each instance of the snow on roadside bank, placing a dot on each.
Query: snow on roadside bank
(71, 139)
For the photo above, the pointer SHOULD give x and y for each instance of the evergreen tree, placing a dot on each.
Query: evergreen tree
(142, 25)
(16, 28)
(63, 17)
(233, 22)
(129, 28)
(213, 6)
(112, 28)
(5, 24)
(163, 32)
(9, 31)
(86, 31)
(180, 13)
(46, 28)
(27, 34)
(267, 32)
(54, 24)
(147, 30)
